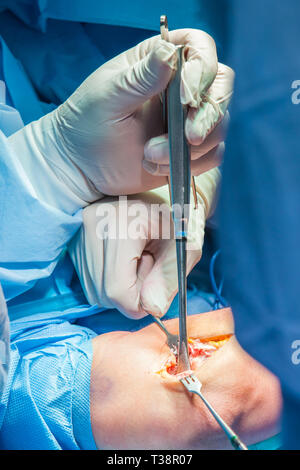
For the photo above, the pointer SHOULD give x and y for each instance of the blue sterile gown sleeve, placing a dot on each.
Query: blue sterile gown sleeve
(33, 238)
(260, 197)
(33, 234)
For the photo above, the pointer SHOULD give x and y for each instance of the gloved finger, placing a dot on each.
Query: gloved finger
(210, 160)
(145, 78)
(126, 267)
(199, 163)
(160, 286)
(203, 119)
(222, 87)
(200, 68)
(157, 149)
(216, 135)
(201, 64)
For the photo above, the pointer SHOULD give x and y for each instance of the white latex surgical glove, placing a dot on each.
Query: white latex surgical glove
(136, 270)
(93, 144)
(205, 128)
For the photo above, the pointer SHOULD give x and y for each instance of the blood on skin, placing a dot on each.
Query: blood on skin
(199, 350)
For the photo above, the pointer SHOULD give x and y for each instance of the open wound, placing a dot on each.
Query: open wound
(199, 350)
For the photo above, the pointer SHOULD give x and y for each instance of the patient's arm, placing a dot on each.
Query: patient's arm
(133, 406)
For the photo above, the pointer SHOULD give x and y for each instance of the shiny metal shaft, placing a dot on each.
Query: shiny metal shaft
(183, 356)
(172, 339)
(180, 174)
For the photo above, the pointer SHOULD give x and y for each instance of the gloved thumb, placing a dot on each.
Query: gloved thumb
(146, 78)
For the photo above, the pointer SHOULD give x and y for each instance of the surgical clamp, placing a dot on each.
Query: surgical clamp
(180, 197)
(164, 32)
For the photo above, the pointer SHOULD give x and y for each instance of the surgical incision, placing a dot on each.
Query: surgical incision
(199, 350)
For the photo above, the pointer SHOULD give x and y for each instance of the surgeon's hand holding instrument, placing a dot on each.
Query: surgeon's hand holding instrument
(94, 144)
(164, 32)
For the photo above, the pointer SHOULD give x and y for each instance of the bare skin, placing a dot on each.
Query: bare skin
(133, 407)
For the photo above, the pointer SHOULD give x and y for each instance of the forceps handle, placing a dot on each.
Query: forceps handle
(164, 33)
(233, 438)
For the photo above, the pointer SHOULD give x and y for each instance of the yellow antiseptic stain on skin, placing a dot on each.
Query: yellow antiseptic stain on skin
(199, 350)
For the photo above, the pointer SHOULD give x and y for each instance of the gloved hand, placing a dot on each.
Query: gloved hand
(134, 268)
(205, 128)
(93, 144)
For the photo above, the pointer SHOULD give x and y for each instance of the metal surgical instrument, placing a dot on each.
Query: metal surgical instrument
(172, 339)
(193, 385)
(164, 32)
(174, 115)
(180, 198)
